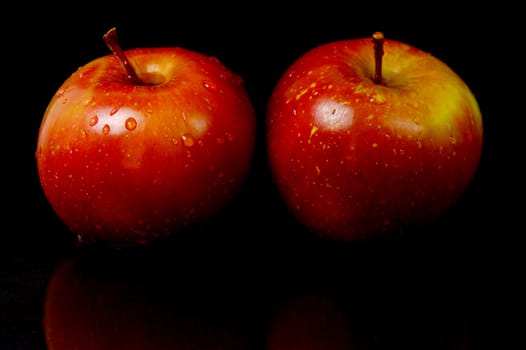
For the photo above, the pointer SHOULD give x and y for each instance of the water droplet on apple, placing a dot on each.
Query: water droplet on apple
(94, 120)
(131, 123)
(106, 129)
(60, 92)
(209, 85)
(214, 60)
(87, 101)
(188, 140)
(115, 109)
(175, 140)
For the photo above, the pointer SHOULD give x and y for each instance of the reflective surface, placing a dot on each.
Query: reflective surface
(252, 278)
(288, 290)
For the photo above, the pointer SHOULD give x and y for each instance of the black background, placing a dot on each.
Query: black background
(445, 281)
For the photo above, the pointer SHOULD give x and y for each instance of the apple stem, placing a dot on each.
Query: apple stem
(110, 38)
(378, 43)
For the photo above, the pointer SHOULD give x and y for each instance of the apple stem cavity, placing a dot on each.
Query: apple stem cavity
(110, 38)
(378, 43)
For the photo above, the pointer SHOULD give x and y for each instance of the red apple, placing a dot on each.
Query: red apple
(141, 144)
(369, 136)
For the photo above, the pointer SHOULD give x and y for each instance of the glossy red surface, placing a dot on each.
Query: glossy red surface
(123, 163)
(353, 158)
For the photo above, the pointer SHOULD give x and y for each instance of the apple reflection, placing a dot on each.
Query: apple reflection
(321, 322)
(316, 297)
(309, 322)
(382, 296)
(106, 303)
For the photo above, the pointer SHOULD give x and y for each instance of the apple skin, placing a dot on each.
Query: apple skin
(124, 163)
(354, 159)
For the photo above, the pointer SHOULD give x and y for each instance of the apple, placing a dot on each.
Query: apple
(371, 136)
(141, 144)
